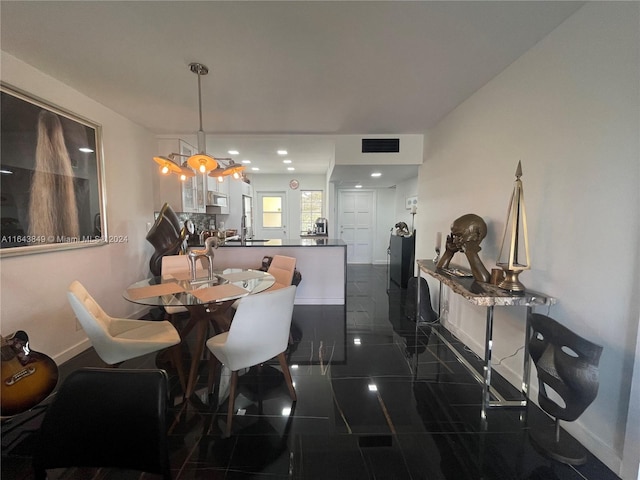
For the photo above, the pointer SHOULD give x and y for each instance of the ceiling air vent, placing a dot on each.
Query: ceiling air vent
(380, 145)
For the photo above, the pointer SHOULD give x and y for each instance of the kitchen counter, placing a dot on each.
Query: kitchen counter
(314, 235)
(316, 241)
(322, 262)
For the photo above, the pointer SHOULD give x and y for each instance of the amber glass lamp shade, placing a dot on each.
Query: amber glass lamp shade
(234, 170)
(218, 174)
(202, 163)
(186, 172)
(167, 166)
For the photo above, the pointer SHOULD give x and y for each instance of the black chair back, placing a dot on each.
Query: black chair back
(111, 418)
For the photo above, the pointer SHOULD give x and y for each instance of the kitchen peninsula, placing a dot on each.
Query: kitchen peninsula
(322, 262)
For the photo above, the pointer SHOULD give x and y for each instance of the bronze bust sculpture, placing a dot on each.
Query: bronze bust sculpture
(402, 229)
(467, 232)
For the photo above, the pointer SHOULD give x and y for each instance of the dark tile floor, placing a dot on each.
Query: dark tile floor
(375, 401)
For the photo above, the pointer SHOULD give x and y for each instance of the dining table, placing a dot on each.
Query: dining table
(208, 301)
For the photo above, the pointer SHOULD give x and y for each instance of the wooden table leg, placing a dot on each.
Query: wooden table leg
(201, 316)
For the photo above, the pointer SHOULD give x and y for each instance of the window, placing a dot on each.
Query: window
(310, 209)
(272, 212)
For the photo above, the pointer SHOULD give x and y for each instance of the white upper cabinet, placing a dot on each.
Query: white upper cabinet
(218, 195)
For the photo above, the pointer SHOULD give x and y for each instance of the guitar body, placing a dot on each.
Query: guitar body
(26, 377)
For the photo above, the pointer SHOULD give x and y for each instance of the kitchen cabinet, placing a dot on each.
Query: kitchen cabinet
(188, 196)
(218, 196)
(247, 189)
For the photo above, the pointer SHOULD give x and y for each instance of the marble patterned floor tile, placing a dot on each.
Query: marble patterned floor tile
(421, 421)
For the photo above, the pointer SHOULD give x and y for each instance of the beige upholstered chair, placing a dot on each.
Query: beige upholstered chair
(258, 333)
(118, 339)
(282, 269)
(172, 264)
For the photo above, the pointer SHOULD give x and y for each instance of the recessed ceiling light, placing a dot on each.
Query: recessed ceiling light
(85, 150)
(246, 161)
(233, 152)
(286, 161)
(376, 174)
(282, 152)
(291, 169)
(356, 341)
(373, 387)
(255, 169)
(358, 186)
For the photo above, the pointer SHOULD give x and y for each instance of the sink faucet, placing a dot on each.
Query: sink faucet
(243, 229)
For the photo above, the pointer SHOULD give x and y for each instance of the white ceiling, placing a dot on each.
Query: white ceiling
(286, 74)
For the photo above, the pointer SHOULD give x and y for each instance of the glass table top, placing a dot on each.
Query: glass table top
(179, 289)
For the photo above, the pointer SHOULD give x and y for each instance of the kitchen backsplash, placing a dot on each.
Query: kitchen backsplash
(201, 221)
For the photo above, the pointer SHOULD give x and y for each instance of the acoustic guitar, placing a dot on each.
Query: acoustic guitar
(27, 376)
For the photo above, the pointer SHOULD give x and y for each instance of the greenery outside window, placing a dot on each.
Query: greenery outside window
(310, 209)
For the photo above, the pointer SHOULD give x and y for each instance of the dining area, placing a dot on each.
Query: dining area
(205, 302)
(210, 321)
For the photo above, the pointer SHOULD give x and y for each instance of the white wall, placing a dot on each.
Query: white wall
(404, 190)
(385, 220)
(390, 209)
(568, 109)
(349, 151)
(33, 293)
(390, 202)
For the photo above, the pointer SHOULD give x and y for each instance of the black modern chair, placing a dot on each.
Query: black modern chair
(109, 418)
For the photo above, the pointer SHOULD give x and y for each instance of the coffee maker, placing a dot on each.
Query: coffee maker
(321, 227)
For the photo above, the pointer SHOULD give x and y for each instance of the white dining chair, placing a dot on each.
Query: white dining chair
(259, 332)
(118, 339)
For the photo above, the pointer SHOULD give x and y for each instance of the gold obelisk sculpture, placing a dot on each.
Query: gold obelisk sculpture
(514, 252)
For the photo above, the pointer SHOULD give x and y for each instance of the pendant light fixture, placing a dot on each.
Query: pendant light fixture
(201, 162)
(218, 174)
(234, 170)
(186, 172)
(167, 165)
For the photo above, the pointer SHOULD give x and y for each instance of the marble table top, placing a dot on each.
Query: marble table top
(484, 294)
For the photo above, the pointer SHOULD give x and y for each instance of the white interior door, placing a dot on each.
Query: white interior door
(271, 216)
(355, 221)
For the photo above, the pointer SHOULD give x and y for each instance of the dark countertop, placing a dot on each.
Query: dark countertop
(302, 242)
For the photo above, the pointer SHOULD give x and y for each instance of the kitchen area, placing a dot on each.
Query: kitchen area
(227, 209)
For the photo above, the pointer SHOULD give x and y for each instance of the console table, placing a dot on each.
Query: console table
(489, 296)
